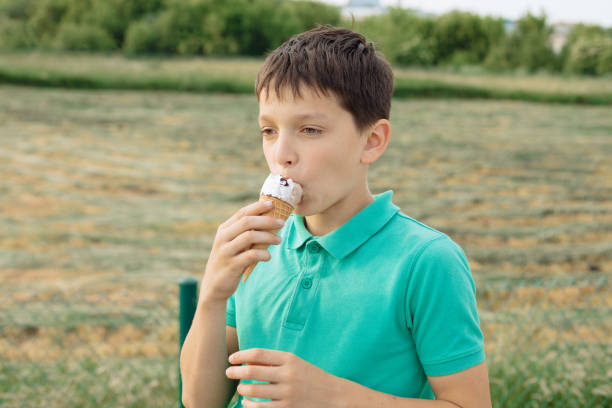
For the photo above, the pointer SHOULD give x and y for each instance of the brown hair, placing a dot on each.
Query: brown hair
(328, 58)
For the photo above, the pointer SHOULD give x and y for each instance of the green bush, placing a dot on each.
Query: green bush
(16, 34)
(455, 38)
(113, 16)
(528, 46)
(258, 27)
(80, 37)
(577, 32)
(17, 9)
(414, 47)
(498, 59)
(200, 27)
(254, 27)
(604, 65)
(416, 51)
(46, 19)
(143, 37)
(590, 55)
(588, 50)
(185, 28)
(309, 13)
(461, 38)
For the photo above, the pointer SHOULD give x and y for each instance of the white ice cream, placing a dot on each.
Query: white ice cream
(283, 189)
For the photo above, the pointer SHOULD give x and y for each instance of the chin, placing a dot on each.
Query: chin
(302, 211)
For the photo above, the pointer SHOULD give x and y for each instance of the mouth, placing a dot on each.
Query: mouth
(292, 179)
(297, 182)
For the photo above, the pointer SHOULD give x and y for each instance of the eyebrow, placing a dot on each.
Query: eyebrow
(304, 116)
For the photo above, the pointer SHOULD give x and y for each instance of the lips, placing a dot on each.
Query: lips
(295, 181)
(292, 179)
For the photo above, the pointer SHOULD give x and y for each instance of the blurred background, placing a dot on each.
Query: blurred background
(128, 133)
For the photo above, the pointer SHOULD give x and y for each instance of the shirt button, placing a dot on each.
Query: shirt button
(306, 283)
(315, 248)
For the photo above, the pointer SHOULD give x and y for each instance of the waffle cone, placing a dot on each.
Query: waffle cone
(281, 210)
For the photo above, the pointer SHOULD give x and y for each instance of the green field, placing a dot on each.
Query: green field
(236, 75)
(108, 197)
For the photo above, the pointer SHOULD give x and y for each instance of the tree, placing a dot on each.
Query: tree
(460, 38)
(401, 35)
(591, 55)
(582, 34)
(528, 46)
(309, 13)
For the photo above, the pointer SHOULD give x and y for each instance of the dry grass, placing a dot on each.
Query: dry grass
(107, 198)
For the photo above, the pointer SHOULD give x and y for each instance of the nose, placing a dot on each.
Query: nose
(286, 151)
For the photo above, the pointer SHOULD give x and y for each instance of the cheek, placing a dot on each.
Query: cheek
(329, 170)
(338, 163)
(269, 157)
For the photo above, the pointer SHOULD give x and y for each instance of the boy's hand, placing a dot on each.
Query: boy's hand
(293, 382)
(231, 252)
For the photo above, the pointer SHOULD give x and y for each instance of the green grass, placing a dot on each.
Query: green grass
(108, 197)
(236, 75)
(90, 382)
(559, 376)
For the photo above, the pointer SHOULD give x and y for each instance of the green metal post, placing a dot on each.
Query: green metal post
(188, 300)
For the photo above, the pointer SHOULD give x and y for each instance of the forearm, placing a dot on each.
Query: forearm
(203, 359)
(354, 395)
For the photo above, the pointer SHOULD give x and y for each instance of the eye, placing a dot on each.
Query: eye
(312, 131)
(266, 131)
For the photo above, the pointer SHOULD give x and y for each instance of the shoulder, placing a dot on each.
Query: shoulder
(422, 239)
(425, 251)
(439, 263)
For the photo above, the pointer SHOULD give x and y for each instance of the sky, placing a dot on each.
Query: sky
(569, 11)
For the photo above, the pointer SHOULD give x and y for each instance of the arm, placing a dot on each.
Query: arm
(442, 316)
(294, 382)
(465, 389)
(203, 358)
(204, 354)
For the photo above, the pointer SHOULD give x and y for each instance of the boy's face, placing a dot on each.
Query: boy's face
(313, 141)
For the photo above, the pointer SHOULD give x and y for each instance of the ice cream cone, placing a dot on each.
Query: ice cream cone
(282, 210)
(286, 194)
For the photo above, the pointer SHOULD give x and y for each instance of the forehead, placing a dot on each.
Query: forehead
(309, 100)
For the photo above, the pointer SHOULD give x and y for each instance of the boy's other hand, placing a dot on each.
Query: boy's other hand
(293, 382)
(231, 252)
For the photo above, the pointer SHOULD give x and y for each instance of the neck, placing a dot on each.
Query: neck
(339, 213)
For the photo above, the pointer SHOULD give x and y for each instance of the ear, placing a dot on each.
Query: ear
(377, 138)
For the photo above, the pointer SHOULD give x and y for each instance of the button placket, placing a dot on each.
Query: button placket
(313, 258)
(304, 295)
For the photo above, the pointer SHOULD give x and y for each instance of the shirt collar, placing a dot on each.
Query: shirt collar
(353, 233)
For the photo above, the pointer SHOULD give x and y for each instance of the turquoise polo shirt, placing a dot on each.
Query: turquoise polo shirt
(384, 301)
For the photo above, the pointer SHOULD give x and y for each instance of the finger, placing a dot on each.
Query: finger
(251, 222)
(255, 208)
(247, 403)
(254, 373)
(249, 257)
(247, 239)
(259, 356)
(270, 391)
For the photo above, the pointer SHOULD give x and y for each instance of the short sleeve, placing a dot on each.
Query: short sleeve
(441, 309)
(230, 311)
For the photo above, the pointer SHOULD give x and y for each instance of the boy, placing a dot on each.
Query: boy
(358, 305)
